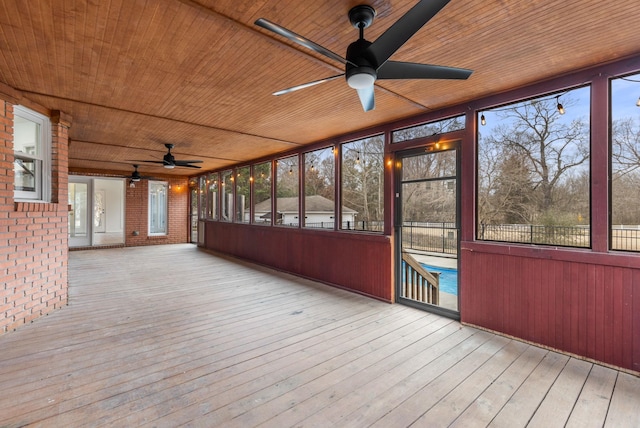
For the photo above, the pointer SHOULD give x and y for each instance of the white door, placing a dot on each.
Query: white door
(80, 214)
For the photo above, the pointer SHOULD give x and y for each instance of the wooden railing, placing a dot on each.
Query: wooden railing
(418, 284)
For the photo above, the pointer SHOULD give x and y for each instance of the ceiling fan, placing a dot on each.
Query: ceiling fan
(367, 61)
(135, 175)
(170, 162)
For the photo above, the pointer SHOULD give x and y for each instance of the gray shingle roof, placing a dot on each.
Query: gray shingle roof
(313, 203)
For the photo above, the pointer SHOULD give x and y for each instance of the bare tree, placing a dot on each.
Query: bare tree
(625, 150)
(363, 177)
(535, 151)
(432, 200)
(625, 174)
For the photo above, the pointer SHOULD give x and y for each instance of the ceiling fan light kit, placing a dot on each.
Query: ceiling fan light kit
(360, 77)
(366, 62)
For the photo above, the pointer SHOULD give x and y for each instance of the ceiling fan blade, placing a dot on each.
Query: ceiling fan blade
(268, 25)
(405, 27)
(307, 85)
(146, 161)
(367, 98)
(187, 166)
(410, 70)
(182, 161)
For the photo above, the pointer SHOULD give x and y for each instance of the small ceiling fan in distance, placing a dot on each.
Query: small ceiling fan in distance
(367, 61)
(135, 176)
(170, 162)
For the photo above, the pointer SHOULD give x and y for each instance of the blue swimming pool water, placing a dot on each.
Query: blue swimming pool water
(448, 278)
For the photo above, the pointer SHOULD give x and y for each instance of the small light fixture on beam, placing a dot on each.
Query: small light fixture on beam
(560, 107)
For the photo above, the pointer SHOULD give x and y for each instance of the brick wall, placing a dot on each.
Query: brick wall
(33, 236)
(137, 206)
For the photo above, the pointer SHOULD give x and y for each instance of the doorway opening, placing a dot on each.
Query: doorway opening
(427, 228)
(97, 211)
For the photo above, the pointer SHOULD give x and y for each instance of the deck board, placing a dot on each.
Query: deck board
(174, 335)
(591, 408)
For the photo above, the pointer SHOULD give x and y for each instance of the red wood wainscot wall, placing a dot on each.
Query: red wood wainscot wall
(579, 302)
(353, 261)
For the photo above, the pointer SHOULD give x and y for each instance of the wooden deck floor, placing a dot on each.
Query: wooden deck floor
(171, 335)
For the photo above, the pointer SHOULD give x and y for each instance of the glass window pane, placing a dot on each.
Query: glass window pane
(533, 171)
(212, 196)
(26, 137)
(78, 197)
(243, 194)
(202, 196)
(625, 164)
(362, 184)
(25, 174)
(158, 192)
(319, 189)
(436, 165)
(287, 192)
(428, 129)
(226, 205)
(32, 157)
(262, 194)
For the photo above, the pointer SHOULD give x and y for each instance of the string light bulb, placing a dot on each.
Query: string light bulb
(638, 102)
(483, 121)
(560, 107)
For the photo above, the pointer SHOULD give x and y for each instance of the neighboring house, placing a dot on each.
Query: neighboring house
(319, 212)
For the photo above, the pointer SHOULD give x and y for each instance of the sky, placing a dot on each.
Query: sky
(624, 95)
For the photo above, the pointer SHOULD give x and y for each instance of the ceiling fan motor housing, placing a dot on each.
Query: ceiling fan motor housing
(360, 70)
(169, 160)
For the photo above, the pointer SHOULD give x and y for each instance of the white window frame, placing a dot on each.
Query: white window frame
(153, 205)
(42, 158)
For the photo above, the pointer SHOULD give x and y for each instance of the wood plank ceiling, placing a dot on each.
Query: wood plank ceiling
(135, 74)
